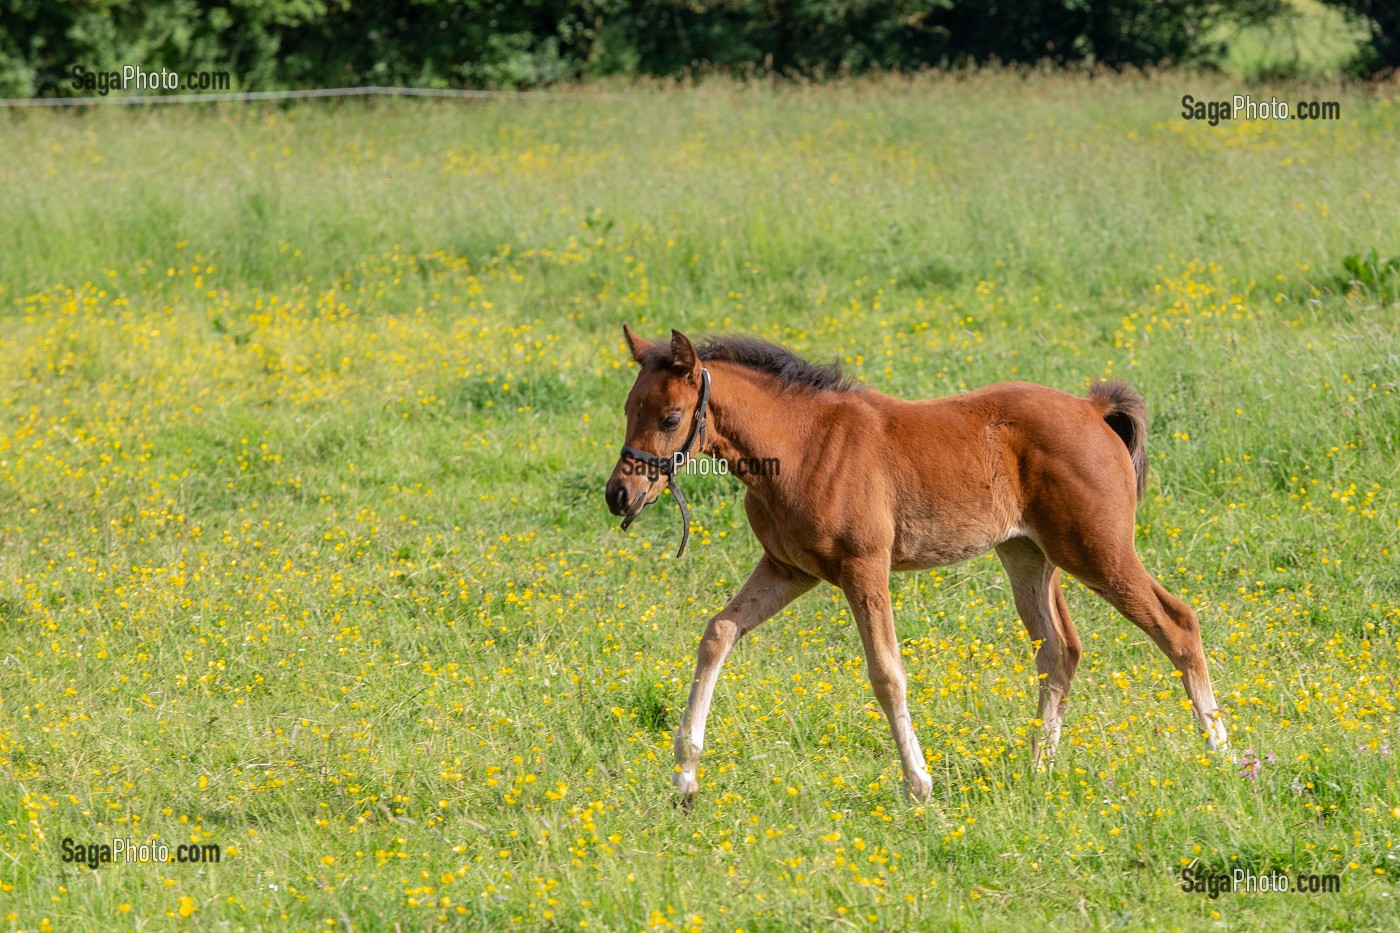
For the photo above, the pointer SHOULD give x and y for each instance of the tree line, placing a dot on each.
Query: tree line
(270, 44)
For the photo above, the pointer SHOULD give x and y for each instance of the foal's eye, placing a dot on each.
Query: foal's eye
(670, 422)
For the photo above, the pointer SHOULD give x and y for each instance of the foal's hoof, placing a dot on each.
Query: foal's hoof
(687, 789)
(918, 790)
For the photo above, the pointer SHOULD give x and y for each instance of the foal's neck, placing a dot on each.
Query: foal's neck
(750, 423)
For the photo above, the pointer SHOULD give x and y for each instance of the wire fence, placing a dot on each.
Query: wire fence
(199, 98)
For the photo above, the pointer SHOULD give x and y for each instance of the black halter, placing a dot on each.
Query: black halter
(669, 465)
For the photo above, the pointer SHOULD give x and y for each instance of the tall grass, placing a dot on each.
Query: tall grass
(305, 414)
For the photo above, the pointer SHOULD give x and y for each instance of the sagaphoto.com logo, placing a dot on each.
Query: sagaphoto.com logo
(136, 78)
(706, 466)
(130, 852)
(1244, 107)
(1197, 878)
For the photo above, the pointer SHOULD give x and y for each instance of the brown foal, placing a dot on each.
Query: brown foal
(868, 484)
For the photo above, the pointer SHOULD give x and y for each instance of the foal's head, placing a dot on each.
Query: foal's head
(661, 414)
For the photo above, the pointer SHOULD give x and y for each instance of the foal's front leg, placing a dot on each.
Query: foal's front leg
(770, 587)
(867, 587)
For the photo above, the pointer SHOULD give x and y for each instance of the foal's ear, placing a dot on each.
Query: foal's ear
(683, 356)
(640, 347)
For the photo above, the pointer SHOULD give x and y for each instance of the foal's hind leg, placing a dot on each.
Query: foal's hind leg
(1188, 654)
(1035, 584)
(1116, 574)
(769, 588)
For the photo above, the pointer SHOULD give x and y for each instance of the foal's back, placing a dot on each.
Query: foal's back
(959, 475)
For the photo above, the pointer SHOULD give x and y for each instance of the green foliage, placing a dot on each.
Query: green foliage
(1305, 40)
(497, 43)
(652, 707)
(1373, 273)
(820, 36)
(1381, 19)
(41, 41)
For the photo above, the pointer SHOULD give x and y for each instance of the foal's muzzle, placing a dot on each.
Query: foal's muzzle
(627, 494)
(617, 498)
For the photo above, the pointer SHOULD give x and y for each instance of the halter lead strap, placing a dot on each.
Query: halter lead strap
(669, 465)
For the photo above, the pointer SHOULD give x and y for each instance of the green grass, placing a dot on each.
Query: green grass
(305, 415)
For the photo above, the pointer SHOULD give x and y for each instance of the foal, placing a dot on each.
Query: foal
(868, 484)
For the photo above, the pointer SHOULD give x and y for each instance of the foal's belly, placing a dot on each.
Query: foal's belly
(950, 512)
(919, 548)
(920, 543)
(932, 527)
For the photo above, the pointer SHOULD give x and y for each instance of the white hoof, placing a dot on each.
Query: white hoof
(919, 789)
(686, 786)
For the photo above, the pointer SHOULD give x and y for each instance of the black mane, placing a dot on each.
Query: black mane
(776, 361)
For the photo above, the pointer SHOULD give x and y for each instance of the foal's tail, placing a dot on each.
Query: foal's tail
(1126, 414)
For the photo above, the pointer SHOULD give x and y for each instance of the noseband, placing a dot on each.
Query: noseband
(669, 465)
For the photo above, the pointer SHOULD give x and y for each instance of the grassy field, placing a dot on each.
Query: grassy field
(305, 415)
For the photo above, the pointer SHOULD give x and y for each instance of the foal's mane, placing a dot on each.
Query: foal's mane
(780, 362)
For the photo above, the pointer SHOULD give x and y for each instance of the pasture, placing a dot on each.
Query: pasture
(305, 415)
